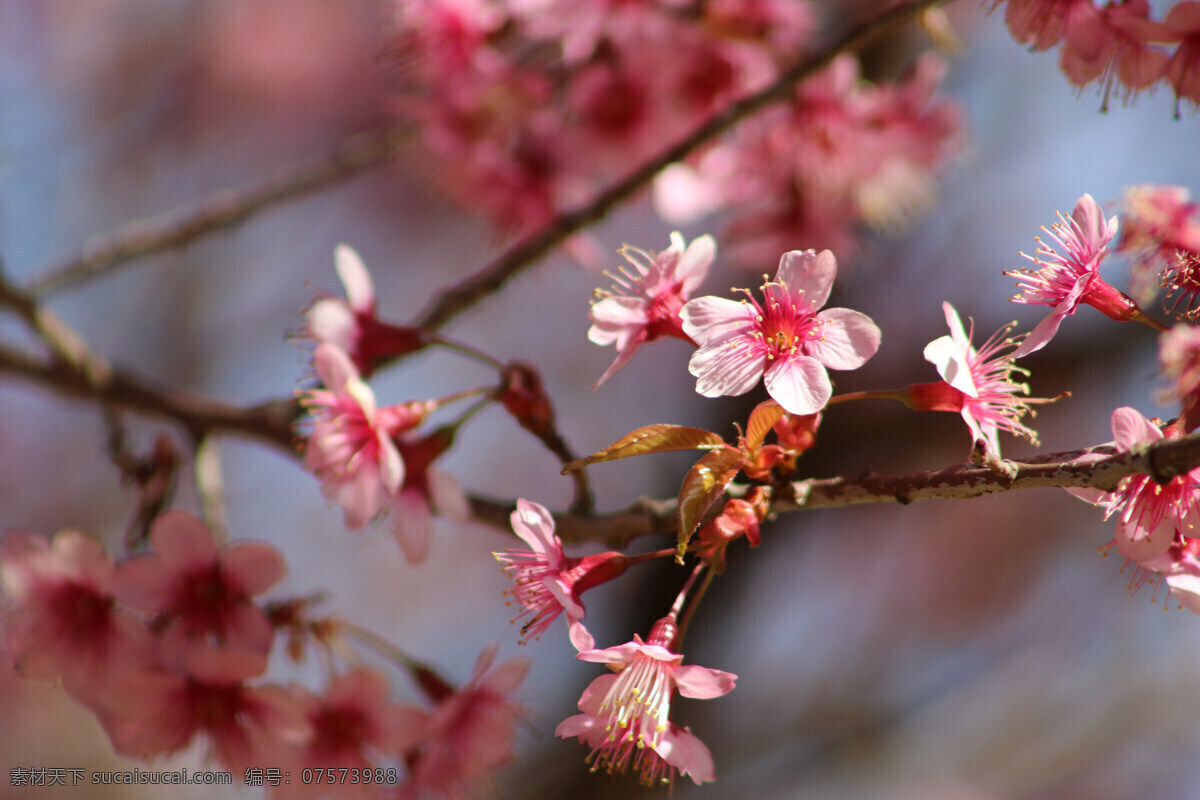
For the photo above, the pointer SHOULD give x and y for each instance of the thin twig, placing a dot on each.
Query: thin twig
(224, 209)
(454, 300)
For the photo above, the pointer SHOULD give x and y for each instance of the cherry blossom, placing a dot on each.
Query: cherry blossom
(352, 324)
(351, 448)
(644, 302)
(625, 716)
(1150, 516)
(1064, 281)
(64, 621)
(1041, 24)
(1162, 233)
(353, 726)
(199, 594)
(1183, 71)
(469, 733)
(1179, 357)
(976, 383)
(547, 582)
(783, 340)
(1112, 43)
(150, 714)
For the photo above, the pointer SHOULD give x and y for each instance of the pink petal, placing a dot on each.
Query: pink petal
(800, 384)
(391, 465)
(580, 638)
(1186, 589)
(1087, 494)
(1184, 17)
(703, 683)
(507, 677)
(1042, 333)
(725, 369)
(1090, 218)
(1143, 545)
(410, 525)
(1131, 429)
(809, 273)
(616, 319)
(355, 278)
(693, 265)
(848, 339)
(143, 584)
(594, 694)
(334, 368)
(533, 523)
(946, 354)
(686, 753)
(248, 630)
(253, 567)
(182, 541)
(360, 496)
(714, 320)
(331, 321)
(584, 726)
(18, 551)
(447, 496)
(623, 357)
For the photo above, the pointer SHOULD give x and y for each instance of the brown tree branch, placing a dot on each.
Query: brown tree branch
(454, 300)
(224, 209)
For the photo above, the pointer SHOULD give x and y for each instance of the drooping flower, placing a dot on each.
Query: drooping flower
(784, 340)
(1064, 281)
(425, 491)
(469, 733)
(351, 448)
(644, 302)
(1151, 517)
(352, 324)
(546, 581)
(1041, 24)
(65, 621)
(626, 716)
(200, 595)
(1112, 43)
(1183, 71)
(1179, 358)
(976, 383)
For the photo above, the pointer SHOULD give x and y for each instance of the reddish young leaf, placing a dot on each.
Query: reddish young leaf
(762, 419)
(704, 485)
(652, 439)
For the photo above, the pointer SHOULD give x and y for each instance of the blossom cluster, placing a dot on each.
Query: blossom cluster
(530, 106)
(1119, 45)
(173, 646)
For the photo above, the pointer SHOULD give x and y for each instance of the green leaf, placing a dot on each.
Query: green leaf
(652, 439)
(762, 419)
(704, 485)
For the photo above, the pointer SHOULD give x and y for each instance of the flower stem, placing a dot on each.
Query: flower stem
(899, 395)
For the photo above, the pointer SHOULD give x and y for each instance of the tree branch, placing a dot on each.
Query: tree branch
(224, 209)
(454, 300)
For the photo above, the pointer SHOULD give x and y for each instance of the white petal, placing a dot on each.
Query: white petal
(692, 268)
(800, 384)
(810, 273)
(355, 278)
(711, 320)
(725, 369)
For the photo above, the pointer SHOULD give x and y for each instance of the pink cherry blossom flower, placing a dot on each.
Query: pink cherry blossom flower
(625, 716)
(1179, 358)
(644, 303)
(1150, 516)
(1041, 24)
(351, 448)
(150, 714)
(976, 383)
(1183, 71)
(200, 595)
(1162, 233)
(547, 582)
(64, 621)
(783, 340)
(353, 726)
(469, 733)
(1112, 43)
(352, 324)
(1064, 281)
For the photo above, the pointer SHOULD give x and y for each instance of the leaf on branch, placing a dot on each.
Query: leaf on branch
(704, 485)
(652, 439)
(762, 419)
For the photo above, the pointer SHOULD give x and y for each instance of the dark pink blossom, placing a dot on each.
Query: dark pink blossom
(1150, 516)
(783, 340)
(151, 714)
(469, 733)
(644, 302)
(1041, 24)
(350, 448)
(1063, 281)
(1183, 71)
(201, 595)
(425, 491)
(1113, 44)
(64, 620)
(626, 716)
(546, 581)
